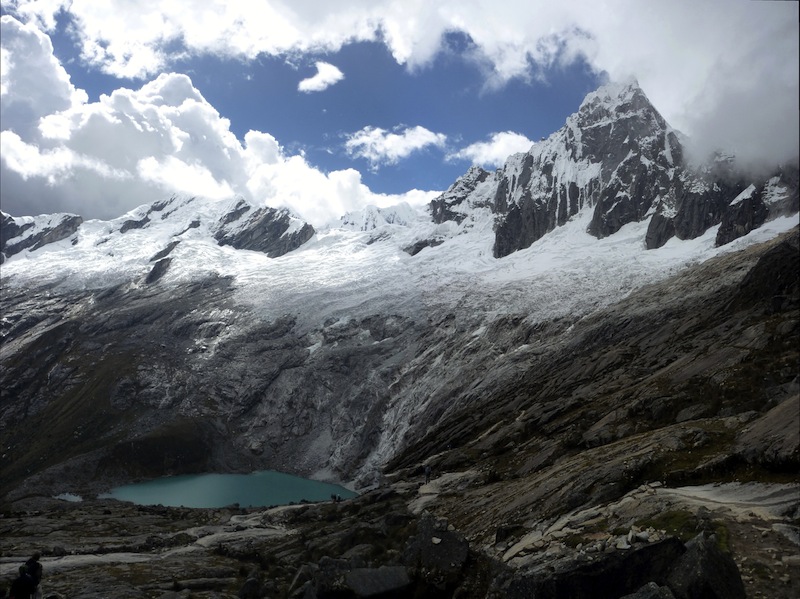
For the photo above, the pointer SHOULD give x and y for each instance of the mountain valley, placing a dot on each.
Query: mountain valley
(595, 349)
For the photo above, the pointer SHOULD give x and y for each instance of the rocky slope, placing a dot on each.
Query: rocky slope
(655, 541)
(563, 473)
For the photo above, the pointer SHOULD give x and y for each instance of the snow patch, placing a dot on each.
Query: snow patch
(745, 195)
(71, 497)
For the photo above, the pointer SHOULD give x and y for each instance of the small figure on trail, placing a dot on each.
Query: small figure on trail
(34, 568)
(23, 586)
(26, 585)
(336, 498)
(427, 473)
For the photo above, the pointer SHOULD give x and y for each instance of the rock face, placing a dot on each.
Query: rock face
(446, 206)
(18, 234)
(778, 196)
(618, 156)
(263, 230)
(267, 230)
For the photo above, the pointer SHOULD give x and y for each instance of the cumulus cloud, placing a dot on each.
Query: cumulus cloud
(134, 146)
(722, 71)
(327, 75)
(725, 72)
(380, 147)
(25, 94)
(495, 151)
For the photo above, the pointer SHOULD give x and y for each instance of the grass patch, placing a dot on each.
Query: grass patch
(761, 570)
(574, 540)
(685, 525)
(723, 536)
(680, 523)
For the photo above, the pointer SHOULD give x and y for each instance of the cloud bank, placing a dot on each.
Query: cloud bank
(722, 71)
(725, 72)
(133, 146)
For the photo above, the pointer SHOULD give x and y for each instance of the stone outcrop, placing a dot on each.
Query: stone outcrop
(450, 204)
(18, 234)
(773, 440)
(705, 571)
(159, 270)
(777, 196)
(264, 230)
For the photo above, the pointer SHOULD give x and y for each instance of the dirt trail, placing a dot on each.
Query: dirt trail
(743, 500)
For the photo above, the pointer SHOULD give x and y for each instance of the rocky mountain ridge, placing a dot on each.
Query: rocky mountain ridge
(619, 157)
(237, 224)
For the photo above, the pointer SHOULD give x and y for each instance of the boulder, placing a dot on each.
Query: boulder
(773, 439)
(377, 582)
(336, 578)
(251, 589)
(704, 571)
(608, 576)
(436, 549)
(651, 591)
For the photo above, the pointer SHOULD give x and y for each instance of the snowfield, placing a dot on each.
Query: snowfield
(346, 272)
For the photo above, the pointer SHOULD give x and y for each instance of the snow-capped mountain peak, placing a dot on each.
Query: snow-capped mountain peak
(616, 156)
(372, 217)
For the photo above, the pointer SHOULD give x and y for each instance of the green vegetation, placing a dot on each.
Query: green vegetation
(685, 525)
(680, 523)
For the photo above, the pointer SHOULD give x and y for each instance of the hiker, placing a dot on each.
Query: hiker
(26, 585)
(427, 473)
(23, 586)
(34, 569)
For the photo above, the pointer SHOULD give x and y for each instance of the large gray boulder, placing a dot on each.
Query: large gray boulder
(705, 572)
(607, 576)
(651, 591)
(436, 556)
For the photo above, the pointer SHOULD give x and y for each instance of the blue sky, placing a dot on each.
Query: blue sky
(375, 102)
(448, 96)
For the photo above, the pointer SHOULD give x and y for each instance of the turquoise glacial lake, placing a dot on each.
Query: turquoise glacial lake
(258, 489)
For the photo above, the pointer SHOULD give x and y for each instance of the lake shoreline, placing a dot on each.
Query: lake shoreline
(258, 489)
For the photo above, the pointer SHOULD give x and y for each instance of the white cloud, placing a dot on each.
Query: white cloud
(191, 179)
(327, 75)
(32, 82)
(380, 146)
(135, 146)
(54, 165)
(495, 151)
(724, 71)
